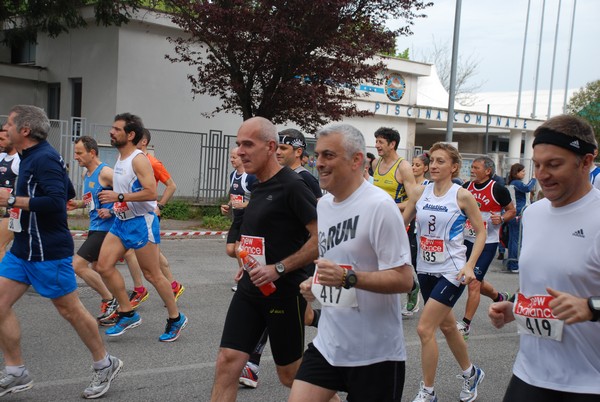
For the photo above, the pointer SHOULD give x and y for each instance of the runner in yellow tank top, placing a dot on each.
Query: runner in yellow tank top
(392, 173)
(387, 181)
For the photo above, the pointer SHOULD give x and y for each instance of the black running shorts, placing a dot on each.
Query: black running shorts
(382, 382)
(248, 316)
(90, 249)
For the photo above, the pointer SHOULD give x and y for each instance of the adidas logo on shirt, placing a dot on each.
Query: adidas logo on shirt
(579, 233)
(575, 144)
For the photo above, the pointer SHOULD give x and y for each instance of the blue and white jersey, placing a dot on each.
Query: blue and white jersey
(91, 189)
(440, 226)
(125, 181)
(595, 177)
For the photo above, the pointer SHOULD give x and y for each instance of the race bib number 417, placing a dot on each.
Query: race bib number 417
(333, 296)
(534, 317)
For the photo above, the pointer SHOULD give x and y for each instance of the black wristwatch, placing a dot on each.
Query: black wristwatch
(11, 201)
(280, 268)
(121, 197)
(594, 305)
(351, 279)
(160, 206)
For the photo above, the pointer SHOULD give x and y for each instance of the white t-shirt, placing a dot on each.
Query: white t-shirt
(366, 231)
(561, 250)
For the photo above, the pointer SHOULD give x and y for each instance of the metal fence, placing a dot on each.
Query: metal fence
(198, 162)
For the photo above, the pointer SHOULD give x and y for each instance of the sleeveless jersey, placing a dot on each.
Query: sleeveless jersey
(487, 205)
(241, 186)
(91, 189)
(388, 182)
(9, 170)
(440, 226)
(125, 181)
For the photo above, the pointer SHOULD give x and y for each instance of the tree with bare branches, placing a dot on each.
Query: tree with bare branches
(467, 68)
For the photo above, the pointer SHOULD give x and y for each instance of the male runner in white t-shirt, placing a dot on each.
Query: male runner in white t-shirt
(360, 347)
(559, 296)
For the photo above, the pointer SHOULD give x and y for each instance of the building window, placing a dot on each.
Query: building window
(54, 101)
(23, 53)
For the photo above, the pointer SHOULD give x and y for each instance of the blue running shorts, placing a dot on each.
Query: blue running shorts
(136, 232)
(439, 288)
(51, 279)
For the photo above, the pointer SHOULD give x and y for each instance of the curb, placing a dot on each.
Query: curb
(84, 233)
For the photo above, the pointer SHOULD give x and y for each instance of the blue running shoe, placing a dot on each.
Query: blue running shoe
(124, 324)
(173, 329)
(469, 389)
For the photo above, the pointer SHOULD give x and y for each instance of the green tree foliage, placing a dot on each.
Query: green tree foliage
(586, 103)
(24, 19)
(287, 60)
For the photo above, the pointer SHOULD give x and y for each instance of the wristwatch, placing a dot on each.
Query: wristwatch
(160, 206)
(280, 268)
(121, 197)
(351, 279)
(594, 305)
(11, 201)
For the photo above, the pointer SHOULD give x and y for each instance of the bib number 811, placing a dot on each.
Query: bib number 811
(533, 324)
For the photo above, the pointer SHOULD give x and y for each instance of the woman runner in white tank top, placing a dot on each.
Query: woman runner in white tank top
(441, 208)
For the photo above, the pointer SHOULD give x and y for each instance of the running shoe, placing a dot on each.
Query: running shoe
(178, 291)
(107, 309)
(109, 321)
(136, 298)
(249, 376)
(173, 329)
(424, 396)
(412, 304)
(123, 324)
(10, 383)
(102, 378)
(464, 329)
(469, 389)
(504, 296)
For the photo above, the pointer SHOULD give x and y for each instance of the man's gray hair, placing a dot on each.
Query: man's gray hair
(353, 141)
(33, 118)
(488, 163)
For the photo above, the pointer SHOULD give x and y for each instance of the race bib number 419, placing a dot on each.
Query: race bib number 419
(534, 317)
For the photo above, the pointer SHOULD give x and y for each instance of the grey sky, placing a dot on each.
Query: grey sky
(493, 31)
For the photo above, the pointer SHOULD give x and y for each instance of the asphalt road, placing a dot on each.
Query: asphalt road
(183, 370)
